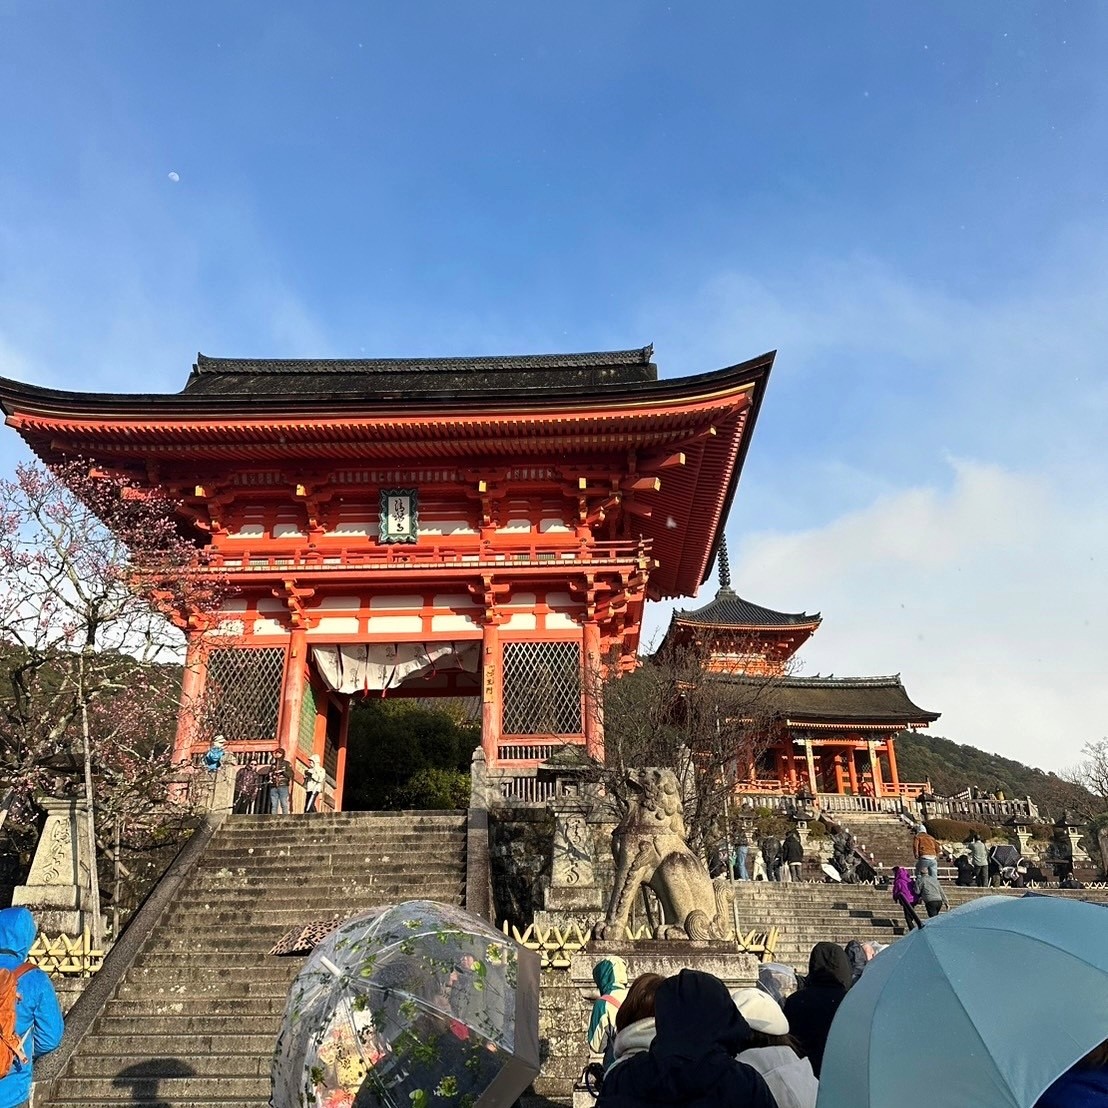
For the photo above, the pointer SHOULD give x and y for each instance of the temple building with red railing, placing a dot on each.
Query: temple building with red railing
(828, 734)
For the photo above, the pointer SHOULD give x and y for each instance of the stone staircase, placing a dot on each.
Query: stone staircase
(194, 1021)
(881, 835)
(807, 913)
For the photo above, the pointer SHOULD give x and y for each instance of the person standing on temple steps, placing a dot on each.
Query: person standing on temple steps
(314, 778)
(280, 777)
(793, 853)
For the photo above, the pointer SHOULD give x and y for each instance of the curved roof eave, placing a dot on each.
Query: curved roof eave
(16, 396)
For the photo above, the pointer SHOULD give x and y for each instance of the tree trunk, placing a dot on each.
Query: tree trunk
(90, 821)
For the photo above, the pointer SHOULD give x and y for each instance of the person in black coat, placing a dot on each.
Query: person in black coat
(691, 1062)
(792, 852)
(811, 1009)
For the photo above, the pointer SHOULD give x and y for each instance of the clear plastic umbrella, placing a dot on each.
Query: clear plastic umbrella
(419, 1005)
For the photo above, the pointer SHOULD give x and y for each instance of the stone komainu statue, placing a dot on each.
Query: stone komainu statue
(650, 848)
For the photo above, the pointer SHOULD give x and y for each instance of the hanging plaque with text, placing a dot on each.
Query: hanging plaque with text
(399, 516)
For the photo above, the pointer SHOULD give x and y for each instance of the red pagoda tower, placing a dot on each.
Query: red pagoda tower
(487, 527)
(831, 735)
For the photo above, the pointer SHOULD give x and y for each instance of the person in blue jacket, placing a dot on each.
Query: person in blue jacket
(38, 1017)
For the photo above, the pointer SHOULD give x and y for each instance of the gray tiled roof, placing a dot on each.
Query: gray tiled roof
(859, 700)
(728, 609)
(307, 376)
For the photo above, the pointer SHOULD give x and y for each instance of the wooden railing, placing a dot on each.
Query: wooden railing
(981, 811)
(424, 556)
(524, 788)
(556, 946)
(833, 802)
(527, 751)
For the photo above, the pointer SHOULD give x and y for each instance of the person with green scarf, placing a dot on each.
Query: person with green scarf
(610, 975)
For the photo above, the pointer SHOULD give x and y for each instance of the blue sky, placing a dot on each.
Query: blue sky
(909, 202)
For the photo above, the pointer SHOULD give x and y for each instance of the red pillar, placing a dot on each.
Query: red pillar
(852, 770)
(790, 762)
(839, 782)
(490, 692)
(340, 757)
(890, 749)
(192, 689)
(292, 693)
(593, 707)
(875, 769)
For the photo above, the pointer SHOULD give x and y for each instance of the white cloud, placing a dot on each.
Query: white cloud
(987, 597)
(929, 472)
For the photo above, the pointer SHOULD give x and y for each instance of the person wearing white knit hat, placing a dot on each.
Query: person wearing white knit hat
(773, 1052)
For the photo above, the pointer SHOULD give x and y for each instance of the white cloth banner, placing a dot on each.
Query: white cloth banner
(373, 667)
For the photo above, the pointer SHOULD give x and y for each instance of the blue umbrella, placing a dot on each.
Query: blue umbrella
(985, 1007)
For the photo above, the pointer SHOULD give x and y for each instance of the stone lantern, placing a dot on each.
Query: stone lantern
(804, 811)
(1071, 824)
(1022, 831)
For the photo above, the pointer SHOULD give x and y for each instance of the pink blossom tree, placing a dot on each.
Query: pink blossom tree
(97, 580)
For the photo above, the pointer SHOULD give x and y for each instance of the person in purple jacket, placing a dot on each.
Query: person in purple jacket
(904, 893)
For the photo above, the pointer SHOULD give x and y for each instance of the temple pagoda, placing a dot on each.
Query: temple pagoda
(487, 527)
(829, 735)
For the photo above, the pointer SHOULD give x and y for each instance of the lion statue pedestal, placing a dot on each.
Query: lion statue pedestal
(651, 848)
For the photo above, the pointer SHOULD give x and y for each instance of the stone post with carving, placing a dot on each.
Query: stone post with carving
(573, 885)
(59, 887)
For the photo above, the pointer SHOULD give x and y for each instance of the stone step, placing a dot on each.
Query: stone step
(283, 904)
(163, 988)
(230, 1064)
(151, 1044)
(204, 993)
(199, 969)
(337, 894)
(212, 1089)
(245, 962)
(156, 1100)
(303, 861)
(177, 1027)
(236, 888)
(337, 844)
(189, 1004)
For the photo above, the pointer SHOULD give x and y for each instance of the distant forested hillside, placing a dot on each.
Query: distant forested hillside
(951, 767)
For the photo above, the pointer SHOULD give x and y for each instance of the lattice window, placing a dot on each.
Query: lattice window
(243, 692)
(542, 688)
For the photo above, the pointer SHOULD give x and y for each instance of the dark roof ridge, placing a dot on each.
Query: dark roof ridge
(837, 682)
(728, 608)
(493, 362)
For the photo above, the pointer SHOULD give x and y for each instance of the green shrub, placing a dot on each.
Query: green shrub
(957, 831)
(769, 821)
(446, 789)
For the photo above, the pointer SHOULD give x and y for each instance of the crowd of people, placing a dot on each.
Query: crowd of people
(276, 776)
(687, 1040)
(767, 859)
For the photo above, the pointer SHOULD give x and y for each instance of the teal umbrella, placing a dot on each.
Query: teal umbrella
(983, 1008)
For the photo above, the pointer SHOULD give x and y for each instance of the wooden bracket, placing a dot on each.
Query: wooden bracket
(313, 498)
(490, 593)
(294, 597)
